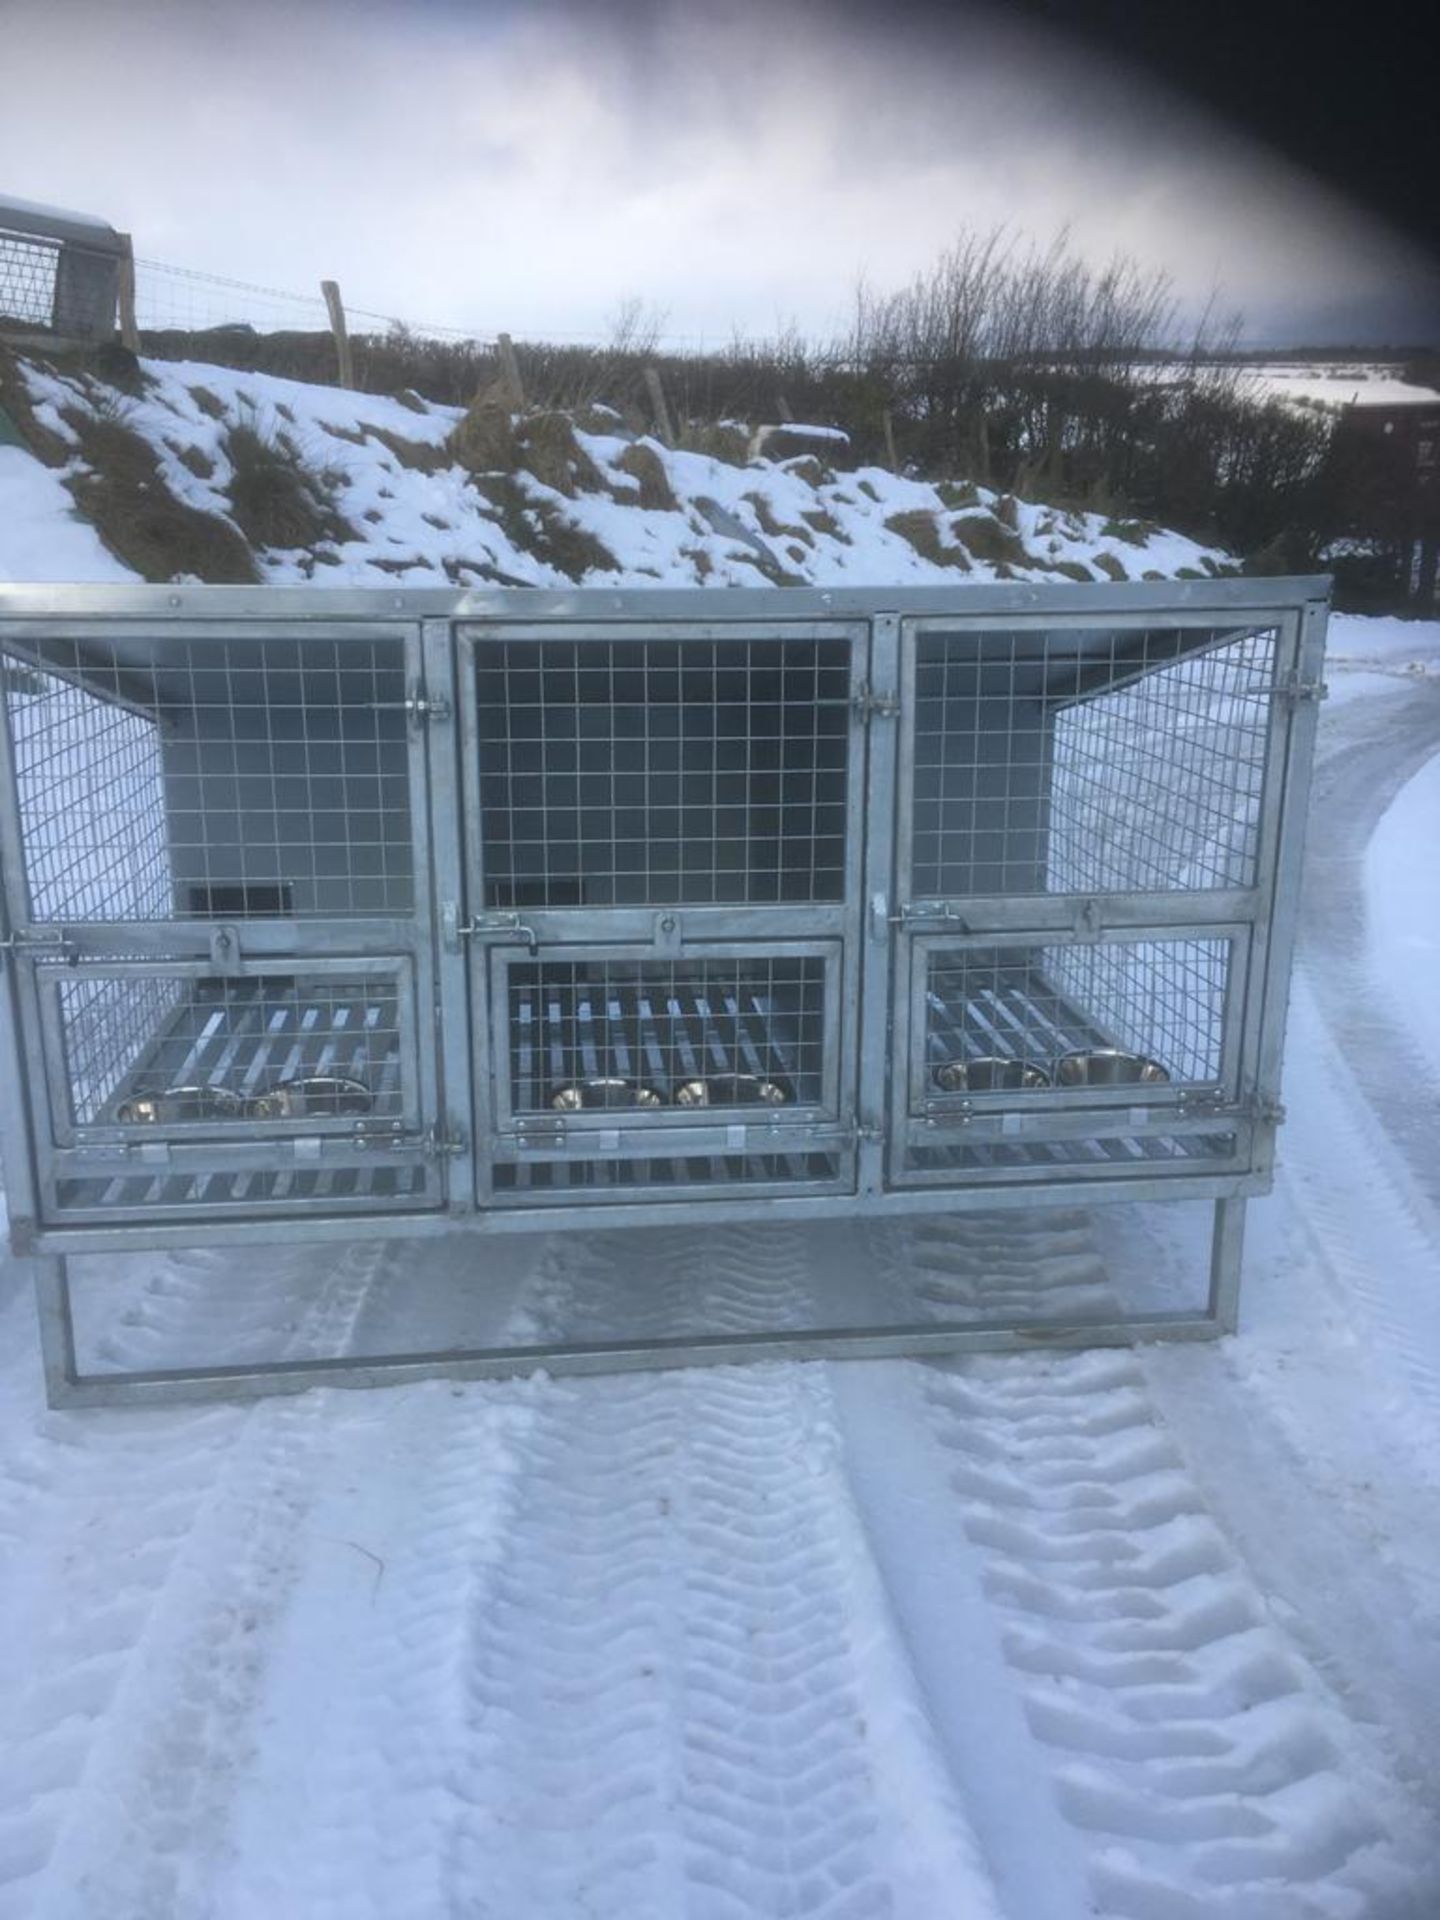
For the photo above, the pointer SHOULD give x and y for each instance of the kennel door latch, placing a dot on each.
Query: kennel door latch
(923, 913)
(483, 926)
(422, 707)
(868, 705)
(41, 943)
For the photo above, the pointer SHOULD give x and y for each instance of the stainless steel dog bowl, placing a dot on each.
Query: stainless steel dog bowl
(989, 1074)
(582, 1096)
(732, 1090)
(1108, 1067)
(180, 1104)
(321, 1097)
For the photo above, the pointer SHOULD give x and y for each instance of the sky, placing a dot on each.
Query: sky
(531, 165)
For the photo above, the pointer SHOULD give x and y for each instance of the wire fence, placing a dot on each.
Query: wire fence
(184, 300)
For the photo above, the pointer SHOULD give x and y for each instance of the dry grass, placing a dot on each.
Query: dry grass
(549, 450)
(124, 496)
(196, 462)
(820, 521)
(47, 447)
(275, 498)
(812, 471)
(723, 440)
(641, 461)
(417, 456)
(918, 529)
(772, 525)
(484, 441)
(987, 538)
(1132, 532)
(958, 493)
(1111, 564)
(538, 528)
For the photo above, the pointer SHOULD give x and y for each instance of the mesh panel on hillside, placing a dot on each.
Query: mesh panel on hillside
(1071, 762)
(663, 772)
(27, 278)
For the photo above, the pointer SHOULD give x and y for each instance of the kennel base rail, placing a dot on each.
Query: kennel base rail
(68, 1386)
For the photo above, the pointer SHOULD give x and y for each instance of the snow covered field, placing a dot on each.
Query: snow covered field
(1149, 1635)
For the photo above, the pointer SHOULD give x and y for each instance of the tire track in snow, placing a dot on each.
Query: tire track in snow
(166, 1537)
(1189, 1748)
(664, 1685)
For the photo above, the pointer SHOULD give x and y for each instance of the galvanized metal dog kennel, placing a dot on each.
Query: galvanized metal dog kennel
(345, 914)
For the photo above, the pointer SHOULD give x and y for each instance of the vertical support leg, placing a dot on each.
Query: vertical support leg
(57, 1328)
(1227, 1246)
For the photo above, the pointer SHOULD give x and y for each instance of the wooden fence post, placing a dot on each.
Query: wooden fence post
(125, 297)
(510, 373)
(656, 392)
(343, 355)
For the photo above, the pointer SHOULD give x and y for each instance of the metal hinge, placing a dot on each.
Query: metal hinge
(424, 707)
(867, 705)
(1295, 690)
(42, 943)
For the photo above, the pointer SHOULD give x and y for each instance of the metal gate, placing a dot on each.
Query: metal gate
(217, 888)
(1088, 868)
(664, 836)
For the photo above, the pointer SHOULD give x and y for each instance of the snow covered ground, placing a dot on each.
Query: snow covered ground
(1148, 1636)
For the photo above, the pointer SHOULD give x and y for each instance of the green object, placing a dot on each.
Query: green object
(9, 432)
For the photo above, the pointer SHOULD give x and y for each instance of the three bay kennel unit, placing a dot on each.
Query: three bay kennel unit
(347, 914)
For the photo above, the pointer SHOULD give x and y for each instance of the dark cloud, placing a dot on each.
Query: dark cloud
(528, 165)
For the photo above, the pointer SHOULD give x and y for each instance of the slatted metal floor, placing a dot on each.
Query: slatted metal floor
(1018, 1018)
(567, 1036)
(247, 1037)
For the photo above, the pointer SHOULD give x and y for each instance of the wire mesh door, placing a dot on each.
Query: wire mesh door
(663, 861)
(1090, 835)
(216, 877)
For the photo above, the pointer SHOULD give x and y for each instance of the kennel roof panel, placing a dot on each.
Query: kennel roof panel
(1120, 629)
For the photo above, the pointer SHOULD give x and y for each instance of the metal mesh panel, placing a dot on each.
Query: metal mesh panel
(710, 1033)
(206, 1052)
(27, 278)
(92, 800)
(1159, 1000)
(1073, 761)
(663, 772)
(273, 768)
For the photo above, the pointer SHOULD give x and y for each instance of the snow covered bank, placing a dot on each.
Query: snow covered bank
(399, 506)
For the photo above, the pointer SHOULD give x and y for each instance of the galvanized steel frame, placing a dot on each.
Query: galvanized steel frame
(879, 956)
